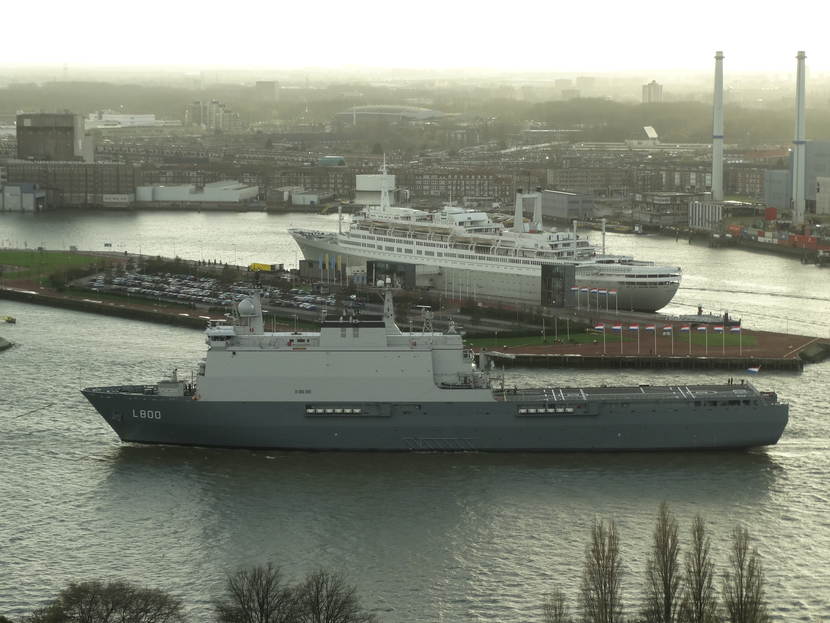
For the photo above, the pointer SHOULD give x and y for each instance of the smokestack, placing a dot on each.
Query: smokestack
(799, 145)
(518, 212)
(717, 131)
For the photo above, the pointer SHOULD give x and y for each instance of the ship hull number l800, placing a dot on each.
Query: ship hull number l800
(147, 414)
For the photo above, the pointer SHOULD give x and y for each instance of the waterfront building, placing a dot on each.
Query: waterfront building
(566, 206)
(334, 181)
(225, 191)
(706, 215)
(664, 209)
(21, 198)
(78, 184)
(778, 185)
(369, 188)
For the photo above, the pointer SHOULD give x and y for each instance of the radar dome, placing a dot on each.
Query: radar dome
(246, 308)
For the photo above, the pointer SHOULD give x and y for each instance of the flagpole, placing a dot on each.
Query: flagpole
(655, 339)
(671, 331)
(638, 339)
(741, 342)
(621, 346)
(603, 339)
(706, 340)
(690, 339)
(723, 341)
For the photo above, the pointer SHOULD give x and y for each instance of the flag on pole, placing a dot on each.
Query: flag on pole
(593, 290)
(754, 370)
(717, 329)
(701, 328)
(651, 327)
(685, 328)
(616, 327)
(599, 327)
(734, 329)
(668, 328)
(583, 290)
(574, 288)
(603, 291)
(612, 292)
(634, 327)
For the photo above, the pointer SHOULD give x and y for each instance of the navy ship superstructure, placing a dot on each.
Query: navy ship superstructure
(363, 384)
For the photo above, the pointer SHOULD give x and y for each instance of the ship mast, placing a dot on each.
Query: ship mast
(384, 190)
(389, 312)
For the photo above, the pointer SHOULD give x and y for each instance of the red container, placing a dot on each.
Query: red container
(770, 214)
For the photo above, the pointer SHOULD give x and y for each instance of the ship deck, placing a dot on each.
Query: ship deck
(741, 391)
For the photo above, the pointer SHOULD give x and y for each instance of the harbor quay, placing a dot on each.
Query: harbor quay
(556, 337)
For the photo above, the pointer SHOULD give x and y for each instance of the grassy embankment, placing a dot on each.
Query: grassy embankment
(37, 265)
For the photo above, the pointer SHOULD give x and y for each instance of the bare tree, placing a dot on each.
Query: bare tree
(743, 584)
(663, 571)
(599, 598)
(257, 595)
(325, 597)
(113, 602)
(555, 608)
(699, 602)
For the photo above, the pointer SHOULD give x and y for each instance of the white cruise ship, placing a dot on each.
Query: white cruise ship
(468, 255)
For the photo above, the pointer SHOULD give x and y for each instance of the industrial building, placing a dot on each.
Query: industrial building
(778, 183)
(21, 198)
(223, 192)
(664, 209)
(78, 184)
(566, 206)
(53, 136)
(706, 215)
(368, 188)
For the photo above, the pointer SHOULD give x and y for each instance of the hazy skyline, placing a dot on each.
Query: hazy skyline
(603, 36)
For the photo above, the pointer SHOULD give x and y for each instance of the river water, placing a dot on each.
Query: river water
(424, 537)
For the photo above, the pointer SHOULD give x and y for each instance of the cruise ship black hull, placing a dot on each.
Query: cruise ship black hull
(506, 425)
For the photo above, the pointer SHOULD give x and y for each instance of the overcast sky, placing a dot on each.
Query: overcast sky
(549, 35)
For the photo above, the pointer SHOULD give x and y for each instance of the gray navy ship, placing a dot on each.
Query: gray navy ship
(362, 384)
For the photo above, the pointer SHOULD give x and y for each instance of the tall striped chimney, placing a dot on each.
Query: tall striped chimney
(799, 145)
(717, 131)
